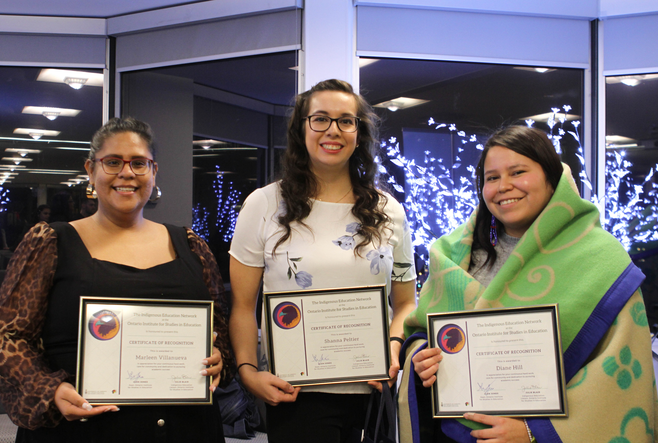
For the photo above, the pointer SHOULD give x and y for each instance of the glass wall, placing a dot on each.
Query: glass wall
(47, 118)
(631, 202)
(230, 118)
(436, 116)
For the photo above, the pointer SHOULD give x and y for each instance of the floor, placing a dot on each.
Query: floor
(8, 433)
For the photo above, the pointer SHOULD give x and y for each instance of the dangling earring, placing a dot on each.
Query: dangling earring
(158, 194)
(493, 233)
(91, 191)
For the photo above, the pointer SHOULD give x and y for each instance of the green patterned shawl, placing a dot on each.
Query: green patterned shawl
(565, 257)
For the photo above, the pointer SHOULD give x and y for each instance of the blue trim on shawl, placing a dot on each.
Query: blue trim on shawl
(457, 431)
(412, 399)
(582, 346)
(599, 321)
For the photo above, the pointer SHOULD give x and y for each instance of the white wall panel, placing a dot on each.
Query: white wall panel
(52, 50)
(587, 9)
(210, 41)
(492, 38)
(630, 45)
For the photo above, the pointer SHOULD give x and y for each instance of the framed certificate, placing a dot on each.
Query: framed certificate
(328, 336)
(144, 351)
(499, 362)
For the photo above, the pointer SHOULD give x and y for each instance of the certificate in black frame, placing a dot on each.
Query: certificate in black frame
(162, 335)
(343, 323)
(448, 324)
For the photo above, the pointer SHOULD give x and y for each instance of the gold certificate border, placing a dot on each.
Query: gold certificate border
(563, 411)
(86, 301)
(269, 297)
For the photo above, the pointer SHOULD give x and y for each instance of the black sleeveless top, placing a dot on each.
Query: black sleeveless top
(78, 274)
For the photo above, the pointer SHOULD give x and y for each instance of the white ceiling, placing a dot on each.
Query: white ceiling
(85, 8)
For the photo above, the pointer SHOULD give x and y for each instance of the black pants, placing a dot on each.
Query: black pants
(317, 417)
(198, 424)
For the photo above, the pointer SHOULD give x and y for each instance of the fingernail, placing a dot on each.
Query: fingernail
(204, 372)
(212, 388)
(116, 409)
(215, 333)
(204, 362)
(87, 407)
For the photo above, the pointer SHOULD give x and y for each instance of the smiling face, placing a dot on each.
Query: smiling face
(515, 189)
(330, 151)
(125, 193)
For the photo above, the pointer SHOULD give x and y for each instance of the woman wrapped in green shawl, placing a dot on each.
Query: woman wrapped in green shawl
(533, 240)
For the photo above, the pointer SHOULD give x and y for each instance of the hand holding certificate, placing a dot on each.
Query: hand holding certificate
(144, 351)
(498, 362)
(329, 336)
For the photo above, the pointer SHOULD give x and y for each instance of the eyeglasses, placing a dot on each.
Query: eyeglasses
(320, 123)
(114, 165)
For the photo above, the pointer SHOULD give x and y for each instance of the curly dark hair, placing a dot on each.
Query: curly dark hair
(299, 185)
(118, 125)
(529, 142)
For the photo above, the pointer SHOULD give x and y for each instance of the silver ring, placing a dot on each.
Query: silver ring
(83, 419)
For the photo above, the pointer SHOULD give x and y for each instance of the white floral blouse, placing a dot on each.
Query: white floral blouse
(323, 256)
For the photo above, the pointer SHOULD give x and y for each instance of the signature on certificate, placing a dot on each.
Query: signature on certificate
(485, 389)
(360, 356)
(318, 359)
(132, 376)
(180, 377)
(530, 388)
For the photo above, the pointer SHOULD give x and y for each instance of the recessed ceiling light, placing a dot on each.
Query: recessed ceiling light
(51, 171)
(630, 80)
(36, 133)
(367, 61)
(23, 152)
(621, 142)
(16, 160)
(400, 103)
(49, 112)
(543, 118)
(75, 82)
(76, 79)
(207, 144)
(539, 69)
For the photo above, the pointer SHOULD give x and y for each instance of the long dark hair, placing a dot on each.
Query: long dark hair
(299, 185)
(529, 142)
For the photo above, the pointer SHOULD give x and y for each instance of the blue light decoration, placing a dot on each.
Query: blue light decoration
(4, 199)
(439, 197)
(228, 199)
(200, 222)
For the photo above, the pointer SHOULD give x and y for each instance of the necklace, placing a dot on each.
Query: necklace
(340, 199)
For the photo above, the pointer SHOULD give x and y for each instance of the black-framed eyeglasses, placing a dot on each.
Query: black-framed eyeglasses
(114, 165)
(320, 123)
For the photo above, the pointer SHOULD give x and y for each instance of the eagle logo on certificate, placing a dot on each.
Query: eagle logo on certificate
(104, 325)
(286, 315)
(451, 339)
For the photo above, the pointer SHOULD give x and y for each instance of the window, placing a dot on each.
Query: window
(47, 118)
(445, 109)
(230, 115)
(632, 174)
